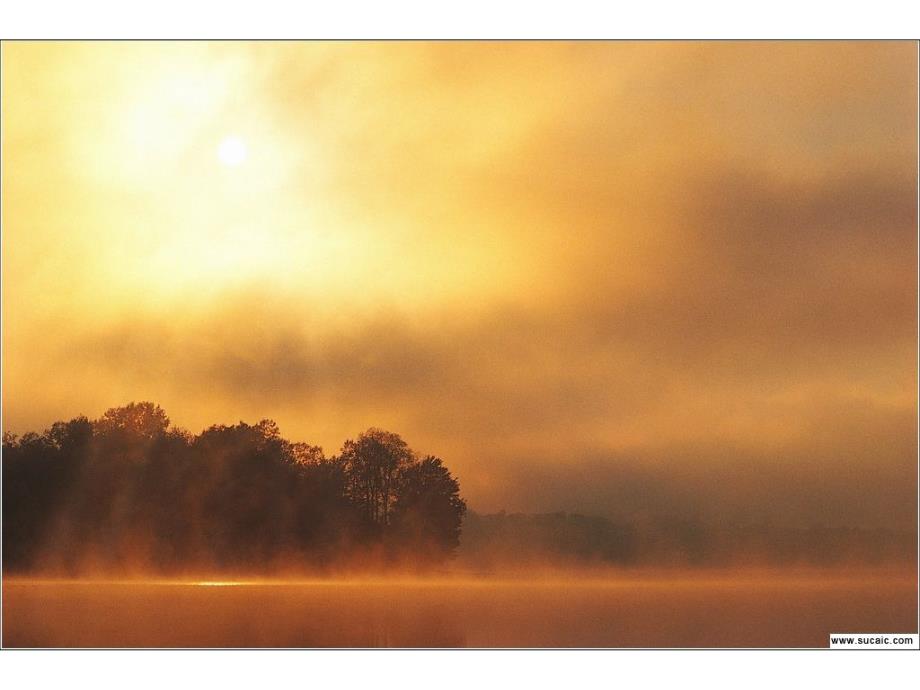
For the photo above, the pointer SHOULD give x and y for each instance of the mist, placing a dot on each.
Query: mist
(614, 279)
(129, 496)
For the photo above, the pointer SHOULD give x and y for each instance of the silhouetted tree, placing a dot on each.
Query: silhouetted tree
(142, 420)
(247, 491)
(372, 464)
(129, 491)
(39, 475)
(429, 511)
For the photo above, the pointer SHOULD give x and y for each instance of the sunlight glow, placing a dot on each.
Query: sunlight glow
(232, 151)
(219, 583)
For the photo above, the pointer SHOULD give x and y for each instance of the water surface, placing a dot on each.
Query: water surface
(673, 610)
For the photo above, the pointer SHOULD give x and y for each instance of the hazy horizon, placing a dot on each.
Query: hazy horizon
(617, 278)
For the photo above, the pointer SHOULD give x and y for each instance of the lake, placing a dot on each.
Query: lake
(675, 609)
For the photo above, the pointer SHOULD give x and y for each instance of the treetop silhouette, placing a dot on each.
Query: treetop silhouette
(129, 492)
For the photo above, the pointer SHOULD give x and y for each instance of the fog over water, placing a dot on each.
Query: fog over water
(672, 609)
(461, 343)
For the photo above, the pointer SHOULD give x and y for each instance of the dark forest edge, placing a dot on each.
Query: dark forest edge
(129, 494)
(563, 541)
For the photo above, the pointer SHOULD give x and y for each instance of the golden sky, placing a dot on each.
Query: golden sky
(619, 278)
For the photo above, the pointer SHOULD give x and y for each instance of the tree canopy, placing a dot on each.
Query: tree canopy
(129, 492)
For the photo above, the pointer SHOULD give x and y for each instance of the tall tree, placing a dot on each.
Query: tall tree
(372, 463)
(428, 511)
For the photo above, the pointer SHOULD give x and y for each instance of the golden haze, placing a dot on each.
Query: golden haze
(607, 277)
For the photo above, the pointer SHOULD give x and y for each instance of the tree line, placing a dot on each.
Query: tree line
(516, 541)
(128, 491)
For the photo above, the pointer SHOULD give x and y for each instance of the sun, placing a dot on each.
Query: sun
(232, 151)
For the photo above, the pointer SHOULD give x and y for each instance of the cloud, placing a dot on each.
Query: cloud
(620, 278)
